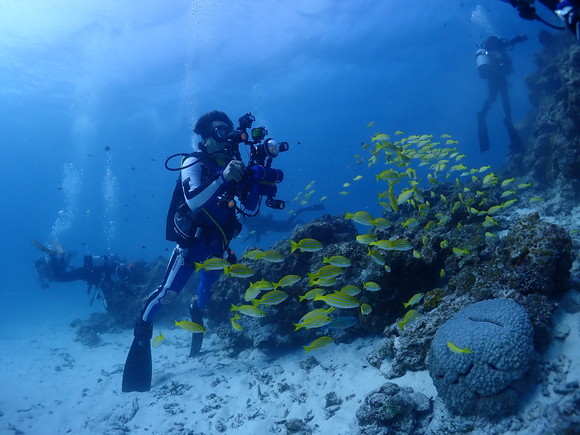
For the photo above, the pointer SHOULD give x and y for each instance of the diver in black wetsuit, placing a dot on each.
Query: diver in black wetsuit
(567, 10)
(96, 271)
(494, 65)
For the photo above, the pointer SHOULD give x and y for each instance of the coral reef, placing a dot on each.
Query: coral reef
(496, 342)
(552, 131)
(394, 410)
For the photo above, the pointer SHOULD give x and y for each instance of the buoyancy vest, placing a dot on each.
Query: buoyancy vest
(212, 223)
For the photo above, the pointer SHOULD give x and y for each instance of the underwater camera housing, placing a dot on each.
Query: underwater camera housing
(260, 179)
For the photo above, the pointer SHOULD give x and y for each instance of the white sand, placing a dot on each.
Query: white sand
(52, 384)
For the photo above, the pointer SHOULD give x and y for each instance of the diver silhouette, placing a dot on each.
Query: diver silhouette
(494, 65)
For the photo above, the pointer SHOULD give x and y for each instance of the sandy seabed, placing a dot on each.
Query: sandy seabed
(52, 384)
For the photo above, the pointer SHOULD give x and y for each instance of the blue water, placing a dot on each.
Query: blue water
(134, 76)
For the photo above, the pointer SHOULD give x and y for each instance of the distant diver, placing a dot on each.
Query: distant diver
(494, 65)
(264, 223)
(99, 272)
(567, 10)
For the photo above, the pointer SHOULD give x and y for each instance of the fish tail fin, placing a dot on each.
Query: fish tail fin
(325, 259)
(307, 349)
(301, 298)
(293, 246)
(401, 325)
(256, 302)
(176, 323)
(406, 304)
(297, 326)
(311, 278)
(233, 308)
(198, 266)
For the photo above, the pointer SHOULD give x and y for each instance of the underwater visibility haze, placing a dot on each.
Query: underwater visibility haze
(134, 77)
(96, 96)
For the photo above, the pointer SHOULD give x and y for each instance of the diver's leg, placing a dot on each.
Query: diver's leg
(481, 115)
(138, 368)
(505, 101)
(516, 145)
(492, 90)
(206, 281)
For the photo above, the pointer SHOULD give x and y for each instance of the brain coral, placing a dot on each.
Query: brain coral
(499, 334)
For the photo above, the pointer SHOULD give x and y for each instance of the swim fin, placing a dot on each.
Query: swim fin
(516, 145)
(138, 367)
(483, 136)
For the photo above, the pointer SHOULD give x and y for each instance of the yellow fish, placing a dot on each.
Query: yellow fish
(366, 239)
(235, 324)
(309, 295)
(190, 326)
(254, 254)
(504, 183)
(360, 217)
(318, 344)
(317, 312)
(460, 252)
(313, 322)
(381, 223)
(371, 286)
(338, 300)
(365, 309)
(350, 289)
(286, 281)
(376, 256)
(415, 299)
(212, 264)
(238, 270)
(408, 318)
(248, 310)
(157, 340)
(306, 245)
(456, 349)
(381, 137)
(337, 260)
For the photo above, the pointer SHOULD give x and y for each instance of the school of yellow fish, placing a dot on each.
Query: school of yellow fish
(410, 165)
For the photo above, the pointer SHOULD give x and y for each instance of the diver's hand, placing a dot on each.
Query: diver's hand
(234, 171)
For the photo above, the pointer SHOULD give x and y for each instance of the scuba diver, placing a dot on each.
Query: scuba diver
(494, 65)
(213, 187)
(567, 10)
(100, 272)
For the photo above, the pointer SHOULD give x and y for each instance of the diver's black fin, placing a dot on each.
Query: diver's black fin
(516, 145)
(47, 251)
(196, 339)
(483, 136)
(138, 367)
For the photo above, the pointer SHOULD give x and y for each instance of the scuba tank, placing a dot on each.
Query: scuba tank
(483, 62)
